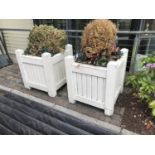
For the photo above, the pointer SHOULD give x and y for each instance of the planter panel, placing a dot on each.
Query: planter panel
(89, 89)
(35, 75)
(60, 76)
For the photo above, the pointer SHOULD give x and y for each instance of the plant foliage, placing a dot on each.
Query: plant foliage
(45, 38)
(144, 82)
(98, 43)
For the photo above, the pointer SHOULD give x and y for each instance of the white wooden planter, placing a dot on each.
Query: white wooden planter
(45, 73)
(96, 86)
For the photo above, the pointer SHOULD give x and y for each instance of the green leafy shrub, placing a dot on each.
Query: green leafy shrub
(152, 106)
(147, 60)
(45, 38)
(144, 82)
(98, 43)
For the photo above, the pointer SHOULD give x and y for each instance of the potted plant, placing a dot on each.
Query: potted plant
(42, 63)
(96, 75)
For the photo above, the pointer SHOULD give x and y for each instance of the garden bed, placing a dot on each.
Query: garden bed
(137, 117)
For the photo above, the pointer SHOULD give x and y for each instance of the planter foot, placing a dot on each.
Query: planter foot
(52, 94)
(72, 101)
(28, 87)
(108, 112)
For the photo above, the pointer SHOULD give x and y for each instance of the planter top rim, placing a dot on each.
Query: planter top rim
(78, 64)
(96, 67)
(33, 56)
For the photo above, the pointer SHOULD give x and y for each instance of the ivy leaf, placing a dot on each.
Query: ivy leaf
(153, 112)
(152, 104)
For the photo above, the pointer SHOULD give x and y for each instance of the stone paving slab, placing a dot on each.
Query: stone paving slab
(10, 77)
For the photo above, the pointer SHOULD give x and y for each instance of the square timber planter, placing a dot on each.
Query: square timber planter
(45, 73)
(94, 85)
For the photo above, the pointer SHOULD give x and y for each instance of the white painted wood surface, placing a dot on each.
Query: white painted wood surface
(45, 73)
(96, 86)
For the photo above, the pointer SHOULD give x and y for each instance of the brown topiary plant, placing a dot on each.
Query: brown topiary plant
(99, 36)
(45, 38)
(99, 43)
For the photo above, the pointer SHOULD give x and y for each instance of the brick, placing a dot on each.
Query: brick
(117, 110)
(116, 122)
(116, 117)
(127, 132)
(108, 119)
(102, 117)
(110, 126)
(122, 111)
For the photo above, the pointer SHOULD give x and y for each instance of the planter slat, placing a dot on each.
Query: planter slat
(79, 84)
(89, 87)
(96, 86)
(84, 86)
(100, 91)
(75, 83)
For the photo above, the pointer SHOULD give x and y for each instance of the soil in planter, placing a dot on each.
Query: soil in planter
(137, 116)
(98, 59)
(39, 53)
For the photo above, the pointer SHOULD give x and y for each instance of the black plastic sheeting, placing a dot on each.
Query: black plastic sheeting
(4, 61)
(21, 116)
